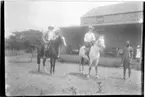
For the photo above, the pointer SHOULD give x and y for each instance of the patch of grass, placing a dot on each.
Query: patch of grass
(104, 61)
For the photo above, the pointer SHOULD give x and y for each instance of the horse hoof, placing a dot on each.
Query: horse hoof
(97, 76)
(88, 76)
(82, 72)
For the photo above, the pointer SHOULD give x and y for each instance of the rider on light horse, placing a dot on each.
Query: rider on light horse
(89, 39)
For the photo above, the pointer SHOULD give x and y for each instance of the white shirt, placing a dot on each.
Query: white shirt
(138, 54)
(51, 35)
(90, 36)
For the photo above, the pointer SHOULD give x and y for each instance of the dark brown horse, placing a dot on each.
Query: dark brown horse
(51, 53)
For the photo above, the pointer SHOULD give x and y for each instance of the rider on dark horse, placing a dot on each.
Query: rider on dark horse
(89, 39)
(50, 36)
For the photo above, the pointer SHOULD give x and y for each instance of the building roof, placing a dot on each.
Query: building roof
(115, 9)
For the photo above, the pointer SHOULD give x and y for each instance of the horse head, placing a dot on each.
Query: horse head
(100, 43)
(60, 40)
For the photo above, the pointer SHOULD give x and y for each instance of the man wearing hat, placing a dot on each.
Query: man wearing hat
(89, 39)
(127, 58)
(48, 37)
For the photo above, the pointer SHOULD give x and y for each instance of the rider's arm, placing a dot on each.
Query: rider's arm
(93, 37)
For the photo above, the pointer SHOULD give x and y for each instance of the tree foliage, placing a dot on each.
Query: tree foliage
(23, 39)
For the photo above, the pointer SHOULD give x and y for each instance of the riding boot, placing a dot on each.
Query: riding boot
(44, 53)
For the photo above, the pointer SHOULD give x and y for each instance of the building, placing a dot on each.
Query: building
(118, 22)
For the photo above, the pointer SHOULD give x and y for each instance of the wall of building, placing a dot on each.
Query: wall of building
(115, 35)
(113, 19)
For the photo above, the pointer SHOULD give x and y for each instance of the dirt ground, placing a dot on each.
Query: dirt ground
(23, 79)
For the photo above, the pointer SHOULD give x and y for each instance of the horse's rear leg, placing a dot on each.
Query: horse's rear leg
(44, 60)
(54, 61)
(38, 62)
(81, 64)
(51, 64)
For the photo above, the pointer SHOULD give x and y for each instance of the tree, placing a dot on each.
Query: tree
(23, 39)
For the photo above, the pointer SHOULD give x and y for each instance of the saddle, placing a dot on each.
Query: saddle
(87, 49)
(47, 46)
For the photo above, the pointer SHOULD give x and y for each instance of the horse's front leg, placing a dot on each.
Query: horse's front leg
(44, 66)
(90, 66)
(80, 64)
(96, 67)
(54, 61)
(38, 61)
(51, 64)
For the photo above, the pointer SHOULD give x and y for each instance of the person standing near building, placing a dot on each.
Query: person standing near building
(127, 58)
(138, 53)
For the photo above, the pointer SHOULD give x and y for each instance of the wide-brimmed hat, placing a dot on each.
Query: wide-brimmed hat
(50, 27)
(91, 27)
(127, 42)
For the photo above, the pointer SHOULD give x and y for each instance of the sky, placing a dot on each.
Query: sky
(22, 15)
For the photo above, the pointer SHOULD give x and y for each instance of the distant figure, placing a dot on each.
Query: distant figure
(138, 53)
(127, 58)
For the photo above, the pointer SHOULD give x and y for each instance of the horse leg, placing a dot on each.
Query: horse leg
(44, 66)
(90, 66)
(96, 67)
(38, 60)
(82, 65)
(54, 61)
(51, 63)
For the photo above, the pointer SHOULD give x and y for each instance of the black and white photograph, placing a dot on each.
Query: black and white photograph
(73, 48)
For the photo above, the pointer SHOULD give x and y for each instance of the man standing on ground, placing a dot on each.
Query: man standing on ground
(127, 58)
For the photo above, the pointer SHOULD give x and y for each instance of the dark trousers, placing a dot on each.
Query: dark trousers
(88, 47)
(126, 65)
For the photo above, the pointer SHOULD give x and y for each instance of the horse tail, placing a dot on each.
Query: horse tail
(82, 53)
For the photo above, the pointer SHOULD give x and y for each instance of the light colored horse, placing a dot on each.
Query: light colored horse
(94, 54)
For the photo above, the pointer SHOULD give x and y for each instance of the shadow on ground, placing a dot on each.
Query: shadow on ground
(38, 72)
(79, 75)
(115, 77)
(18, 61)
(84, 76)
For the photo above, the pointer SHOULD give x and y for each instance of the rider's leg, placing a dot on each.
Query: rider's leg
(45, 47)
(87, 49)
